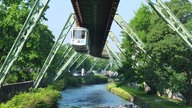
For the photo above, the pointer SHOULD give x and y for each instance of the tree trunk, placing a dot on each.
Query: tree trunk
(189, 83)
(152, 89)
(189, 99)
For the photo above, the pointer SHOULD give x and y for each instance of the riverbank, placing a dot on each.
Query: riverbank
(48, 97)
(144, 100)
(90, 96)
(40, 98)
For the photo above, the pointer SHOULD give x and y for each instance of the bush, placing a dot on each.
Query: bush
(96, 79)
(42, 98)
(58, 85)
(120, 92)
(73, 81)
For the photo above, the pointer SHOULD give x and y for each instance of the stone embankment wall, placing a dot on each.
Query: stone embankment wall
(9, 90)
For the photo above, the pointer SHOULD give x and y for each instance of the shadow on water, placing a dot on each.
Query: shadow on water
(89, 96)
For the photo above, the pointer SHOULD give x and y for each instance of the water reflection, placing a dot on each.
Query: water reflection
(91, 96)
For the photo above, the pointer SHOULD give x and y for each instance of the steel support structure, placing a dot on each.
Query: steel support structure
(74, 61)
(68, 65)
(80, 62)
(172, 21)
(119, 20)
(116, 41)
(96, 61)
(112, 58)
(65, 54)
(106, 67)
(63, 68)
(31, 21)
(114, 54)
(56, 46)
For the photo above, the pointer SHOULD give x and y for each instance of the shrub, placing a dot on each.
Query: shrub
(41, 98)
(58, 85)
(119, 91)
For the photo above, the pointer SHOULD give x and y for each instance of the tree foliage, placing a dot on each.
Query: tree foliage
(170, 64)
(13, 15)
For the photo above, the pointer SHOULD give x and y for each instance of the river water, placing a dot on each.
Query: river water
(89, 96)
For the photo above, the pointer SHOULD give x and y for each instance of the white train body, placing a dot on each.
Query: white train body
(80, 40)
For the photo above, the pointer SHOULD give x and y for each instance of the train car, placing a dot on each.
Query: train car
(80, 39)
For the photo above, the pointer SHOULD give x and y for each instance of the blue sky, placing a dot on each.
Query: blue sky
(60, 10)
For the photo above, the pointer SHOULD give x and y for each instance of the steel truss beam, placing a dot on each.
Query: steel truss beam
(63, 68)
(172, 21)
(111, 58)
(74, 61)
(30, 23)
(80, 62)
(54, 49)
(119, 20)
(116, 41)
(64, 55)
(96, 61)
(114, 54)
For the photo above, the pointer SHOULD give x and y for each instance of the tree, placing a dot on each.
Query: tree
(170, 63)
(37, 47)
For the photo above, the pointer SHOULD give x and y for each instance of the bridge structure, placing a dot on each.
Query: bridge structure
(97, 16)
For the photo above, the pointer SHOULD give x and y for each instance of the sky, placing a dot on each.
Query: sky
(60, 10)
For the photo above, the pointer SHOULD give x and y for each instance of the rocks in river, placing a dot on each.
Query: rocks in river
(121, 106)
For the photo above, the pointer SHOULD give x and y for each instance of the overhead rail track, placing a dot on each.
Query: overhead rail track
(97, 17)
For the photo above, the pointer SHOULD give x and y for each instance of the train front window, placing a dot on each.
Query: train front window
(79, 34)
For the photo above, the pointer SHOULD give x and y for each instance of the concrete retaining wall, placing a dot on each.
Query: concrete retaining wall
(9, 90)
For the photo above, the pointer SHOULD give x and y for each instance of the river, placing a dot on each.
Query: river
(89, 96)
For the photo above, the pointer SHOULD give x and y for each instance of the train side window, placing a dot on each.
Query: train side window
(83, 34)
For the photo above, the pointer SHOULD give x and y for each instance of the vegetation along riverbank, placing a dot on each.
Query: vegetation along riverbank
(142, 99)
(48, 97)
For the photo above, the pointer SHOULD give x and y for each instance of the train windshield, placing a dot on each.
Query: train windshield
(79, 34)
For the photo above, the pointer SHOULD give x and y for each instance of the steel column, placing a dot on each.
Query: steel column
(172, 21)
(30, 23)
(54, 49)
(62, 69)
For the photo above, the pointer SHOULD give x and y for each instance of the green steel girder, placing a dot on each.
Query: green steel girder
(96, 61)
(119, 20)
(116, 41)
(114, 54)
(80, 62)
(68, 46)
(54, 49)
(65, 54)
(107, 66)
(67, 69)
(172, 21)
(74, 61)
(63, 68)
(30, 23)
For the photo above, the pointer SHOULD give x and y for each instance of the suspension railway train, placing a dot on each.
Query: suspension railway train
(80, 40)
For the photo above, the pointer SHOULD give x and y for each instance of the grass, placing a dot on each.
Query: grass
(153, 101)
